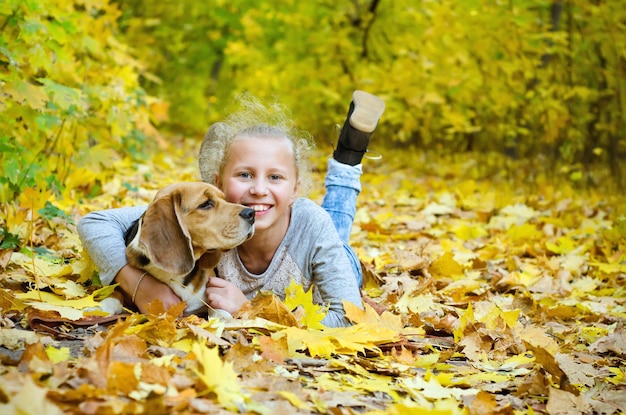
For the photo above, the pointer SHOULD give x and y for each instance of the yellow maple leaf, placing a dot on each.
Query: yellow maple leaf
(368, 382)
(345, 340)
(58, 300)
(58, 355)
(415, 303)
(617, 376)
(183, 345)
(426, 361)
(24, 92)
(65, 312)
(609, 268)
(84, 267)
(41, 266)
(434, 208)
(438, 407)
(316, 341)
(72, 309)
(467, 232)
(519, 210)
(446, 266)
(495, 316)
(466, 319)
(592, 333)
(9, 302)
(359, 337)
(67, 288)
(312, 314)
(523, 233)
(219, 378)
(572, 262)
(583, 286)
(563, 245)
(34, 199)
(368, 315)
(295, 400)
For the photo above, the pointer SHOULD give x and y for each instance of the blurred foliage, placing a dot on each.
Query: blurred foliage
(71, 97)
(527, 78)
(85, 84)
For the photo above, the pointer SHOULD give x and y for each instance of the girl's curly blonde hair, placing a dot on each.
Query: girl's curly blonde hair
(254, 118)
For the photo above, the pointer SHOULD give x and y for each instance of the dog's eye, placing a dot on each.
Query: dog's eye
(209, 204)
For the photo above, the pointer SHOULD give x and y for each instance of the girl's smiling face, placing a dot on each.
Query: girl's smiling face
(260, 173)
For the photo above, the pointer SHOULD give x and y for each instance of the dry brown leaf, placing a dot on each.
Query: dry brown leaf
(268, 307)
(562, 402)
(543, 276)
(614, 342)
(274, 350)
(483, 403)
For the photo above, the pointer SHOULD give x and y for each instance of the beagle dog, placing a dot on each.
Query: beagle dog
(182, 234)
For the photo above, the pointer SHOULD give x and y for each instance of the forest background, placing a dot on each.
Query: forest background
(530, 93)
(86, 82)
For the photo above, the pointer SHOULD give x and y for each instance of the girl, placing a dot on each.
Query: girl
(259, 160)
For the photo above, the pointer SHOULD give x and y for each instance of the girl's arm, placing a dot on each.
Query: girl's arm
(330, 268)
(145, 288)
(335, 280)
(102, 234)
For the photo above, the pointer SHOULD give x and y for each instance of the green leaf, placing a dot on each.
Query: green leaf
(33, 28)
(11, 169)
(57, 32)
(63, 96)
(49, 211)
(7, 145)
(9, 240)
(47, 121)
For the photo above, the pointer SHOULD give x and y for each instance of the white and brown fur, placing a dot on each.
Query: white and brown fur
(182, 234)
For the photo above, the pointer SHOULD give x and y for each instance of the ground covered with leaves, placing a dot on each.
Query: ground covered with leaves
(482, 296)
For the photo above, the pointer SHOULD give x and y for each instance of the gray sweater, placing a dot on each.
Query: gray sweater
(311, 253)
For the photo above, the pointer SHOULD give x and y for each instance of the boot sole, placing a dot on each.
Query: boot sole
(368, 109)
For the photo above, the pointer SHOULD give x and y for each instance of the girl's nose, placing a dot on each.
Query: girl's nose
(258, 188)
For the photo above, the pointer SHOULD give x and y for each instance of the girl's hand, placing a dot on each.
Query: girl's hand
(224, 295)
(148, 289)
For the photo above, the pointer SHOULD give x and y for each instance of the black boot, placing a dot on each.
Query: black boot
(365, 111)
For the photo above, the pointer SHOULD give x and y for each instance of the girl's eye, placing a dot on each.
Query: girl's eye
(275, 177)
(245, 175)
(209, 204)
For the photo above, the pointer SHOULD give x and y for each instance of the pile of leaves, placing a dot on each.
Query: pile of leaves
(480, 298)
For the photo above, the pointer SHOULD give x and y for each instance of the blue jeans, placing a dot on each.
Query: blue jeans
(343, 185)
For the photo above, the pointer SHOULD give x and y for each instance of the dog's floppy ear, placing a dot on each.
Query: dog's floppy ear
(164, 238)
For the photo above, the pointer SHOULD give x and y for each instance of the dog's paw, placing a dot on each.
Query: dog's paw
(110, 305)
(219, 313)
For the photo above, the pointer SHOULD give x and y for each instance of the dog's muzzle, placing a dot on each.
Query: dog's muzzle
(248, 215)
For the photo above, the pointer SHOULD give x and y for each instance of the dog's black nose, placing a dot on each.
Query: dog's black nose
(247, 214)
